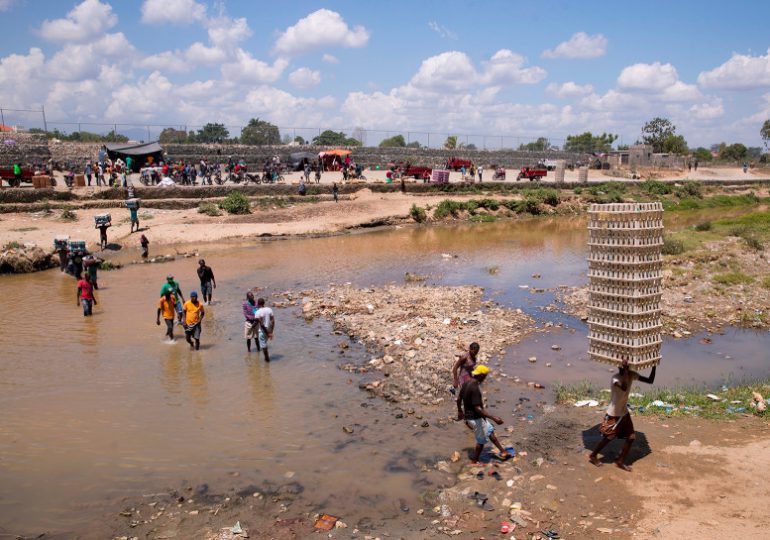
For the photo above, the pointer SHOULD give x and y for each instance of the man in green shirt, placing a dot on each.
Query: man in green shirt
(173, 286)
(17, 174)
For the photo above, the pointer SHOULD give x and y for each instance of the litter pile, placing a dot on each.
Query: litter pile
(417, 333)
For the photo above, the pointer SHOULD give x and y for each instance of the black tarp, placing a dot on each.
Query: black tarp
(139, 152)
(297, 159)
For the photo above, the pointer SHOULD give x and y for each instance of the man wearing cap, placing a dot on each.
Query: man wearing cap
(193, 315)
(475, 416)
(173, 286)
(617, 422)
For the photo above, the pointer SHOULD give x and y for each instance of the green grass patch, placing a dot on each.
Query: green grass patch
(733, 278)
(209, 209)
(11, 245)
(702, 227)
(684, 401)
(483, 218)
(766, 282)
(654, 187)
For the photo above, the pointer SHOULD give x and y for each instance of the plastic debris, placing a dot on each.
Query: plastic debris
(325, 522)
(586, 403)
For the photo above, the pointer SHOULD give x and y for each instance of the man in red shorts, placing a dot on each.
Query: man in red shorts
(617, 422)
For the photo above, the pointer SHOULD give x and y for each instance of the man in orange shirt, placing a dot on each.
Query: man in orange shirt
(193, 315)
(167, 308)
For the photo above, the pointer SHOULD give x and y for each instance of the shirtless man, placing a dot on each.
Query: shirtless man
(617, 422)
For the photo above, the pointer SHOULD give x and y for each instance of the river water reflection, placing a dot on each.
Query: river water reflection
(92, 410)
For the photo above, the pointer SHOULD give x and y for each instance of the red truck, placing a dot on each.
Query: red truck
(6, 173)
(531, 173)
(455, 164)
(418, 171)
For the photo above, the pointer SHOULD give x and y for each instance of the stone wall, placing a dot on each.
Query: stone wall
(24, 148)
(368, 157)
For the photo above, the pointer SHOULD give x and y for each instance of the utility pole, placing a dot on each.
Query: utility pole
(45, 123)
(2, 117)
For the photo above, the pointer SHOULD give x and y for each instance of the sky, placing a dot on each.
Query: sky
(479, 69)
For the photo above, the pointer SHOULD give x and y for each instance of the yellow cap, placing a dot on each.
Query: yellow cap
(480, 370)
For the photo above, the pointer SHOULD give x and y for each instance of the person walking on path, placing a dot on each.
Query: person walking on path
(145, 243)
(85, 296)
(166, 307)
(173, 286)
(461, 371)
(89, 172)
(193, 316)
(103, 234)
(481, 173)
(335, 192)
(475, 416)
(134, 219)
(617, 422)
(266, 321)
(318, 173)
(250, 325)
(208, 283)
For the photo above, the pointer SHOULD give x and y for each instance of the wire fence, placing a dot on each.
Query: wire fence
(35, 119)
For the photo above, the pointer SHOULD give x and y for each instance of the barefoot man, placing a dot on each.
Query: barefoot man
(476, 417)
(617, 422)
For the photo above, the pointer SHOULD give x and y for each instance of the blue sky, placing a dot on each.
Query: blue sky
(516, 69)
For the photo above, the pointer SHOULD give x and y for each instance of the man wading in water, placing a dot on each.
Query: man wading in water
(193, 315)
(266, 322)
(250, 326)
(173, 286)
(85, 296)
(208, 283)
(475, 416)
(166, 307)
(617, 422)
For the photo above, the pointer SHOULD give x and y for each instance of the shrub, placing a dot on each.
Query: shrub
(484, 218)
(578, 190)
(69, 215)
(654, 187)
(418, 214)
(544, 195)
(672, 247)
(705, 226)
(235, 203)
(690, 189)
(489, 204)
(448, 208)
(754, 243)
(530, 205)
(11, 245)
(209, 208)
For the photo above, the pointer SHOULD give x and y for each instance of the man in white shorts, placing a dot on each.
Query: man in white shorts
(266, 322)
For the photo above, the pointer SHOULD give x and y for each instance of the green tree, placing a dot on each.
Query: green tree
(171, 135)
(397, 141)
(260, 132)
(702, 154)
(675, 144)
(656, 132)
(299, 140)
(451, 142)
(589, 143)
(211, 133)
(765, 132)
(334, 138)
(414, 144)
(734, 152)
(540, 145)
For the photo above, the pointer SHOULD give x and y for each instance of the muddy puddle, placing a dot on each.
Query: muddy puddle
(97, 411)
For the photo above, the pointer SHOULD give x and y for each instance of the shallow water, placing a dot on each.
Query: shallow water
(93, 410)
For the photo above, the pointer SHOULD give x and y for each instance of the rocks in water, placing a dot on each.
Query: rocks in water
(18, 259)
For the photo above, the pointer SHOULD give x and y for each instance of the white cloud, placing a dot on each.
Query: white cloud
(76, 62)
(579, 46)
(648, 77)
(505, 66)
(85, 21)
(168, 61)
(322, 28)
(305, 78)
(198, 53)
(740, 72)
(246, 68)
(330, 59)
(569, 89)
(442, 30)
(680, 91)
(172, 11)
(6, 5)
(708, 111)
(452, 70)
(225, 32)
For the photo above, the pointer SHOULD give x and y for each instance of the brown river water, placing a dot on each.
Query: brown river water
(93, 411)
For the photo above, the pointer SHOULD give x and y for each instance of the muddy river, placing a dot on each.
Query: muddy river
(93, 411)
